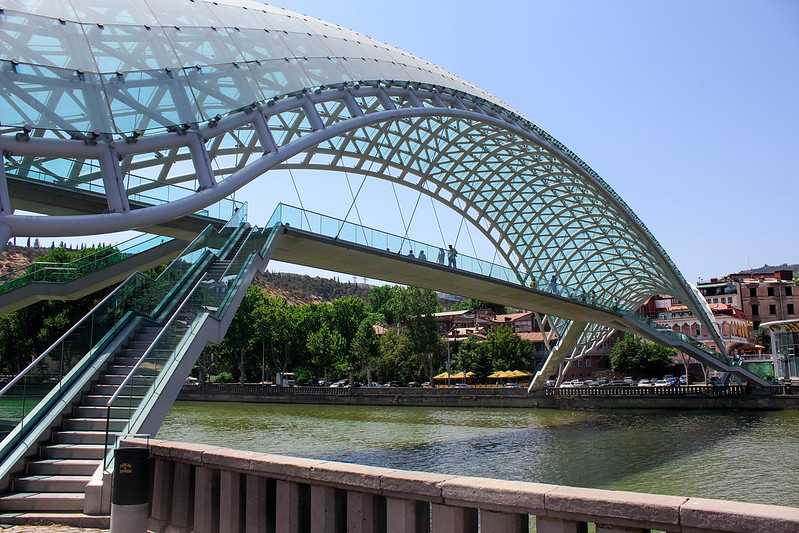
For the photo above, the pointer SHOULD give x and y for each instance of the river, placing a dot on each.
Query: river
(745, 456)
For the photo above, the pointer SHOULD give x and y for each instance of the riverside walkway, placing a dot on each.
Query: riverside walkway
(209, 489)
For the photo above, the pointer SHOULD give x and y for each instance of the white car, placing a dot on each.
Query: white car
(662, 383)
(566, 385)
(644, 383)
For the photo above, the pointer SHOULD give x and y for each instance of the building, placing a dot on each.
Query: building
(767, 297)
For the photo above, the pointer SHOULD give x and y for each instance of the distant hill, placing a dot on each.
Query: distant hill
(303, 289)
(765, 269)
(16, 258)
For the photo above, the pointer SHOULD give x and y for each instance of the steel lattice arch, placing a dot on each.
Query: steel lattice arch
(179, 103)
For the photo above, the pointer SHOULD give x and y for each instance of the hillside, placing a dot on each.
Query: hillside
(18, 257)
(765, 269)
(301, 289)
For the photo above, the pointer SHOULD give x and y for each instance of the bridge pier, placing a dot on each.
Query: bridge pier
(556, 356)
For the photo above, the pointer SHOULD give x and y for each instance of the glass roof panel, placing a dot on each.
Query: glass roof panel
(44, 41)
(114, 12)
(305, 45)
(220, 89)
(183, 13)
(124, 48)
(279, 76)
(259, 44)
(57, 9)
(203, 46)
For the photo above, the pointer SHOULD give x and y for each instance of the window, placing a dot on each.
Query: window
(772, 309)
(770, 291)
(790, 309)
(755, 309)
(697, 333)
(752, 292)
(788, 291)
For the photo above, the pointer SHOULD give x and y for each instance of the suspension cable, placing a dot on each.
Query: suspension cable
(399, 208)
(353, 204)
(410, 221)
(438, 223)
(297, 191)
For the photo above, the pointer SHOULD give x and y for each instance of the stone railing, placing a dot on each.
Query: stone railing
(678, 391)
(207, 489)
(272, 390)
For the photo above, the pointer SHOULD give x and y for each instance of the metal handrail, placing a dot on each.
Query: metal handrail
(64, 336)
(236, 255)
(141, 360)
(196, 239)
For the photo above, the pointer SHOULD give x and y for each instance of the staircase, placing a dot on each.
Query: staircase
(49, 483)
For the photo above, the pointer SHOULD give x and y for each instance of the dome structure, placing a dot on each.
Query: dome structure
(165, 107)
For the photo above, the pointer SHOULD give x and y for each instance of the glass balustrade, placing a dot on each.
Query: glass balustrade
(103, 257)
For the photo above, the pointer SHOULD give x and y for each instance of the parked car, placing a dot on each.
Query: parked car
(427, 385)
(671, 379)
(510, 385)
(629, 380)
(566, 385)
(462, 386)
(683, 380)
(413, 384)
(549, 383)
(644, 383)
(617, 383)
(340, 384)
(191, 380)
(601, 382)
(662, 383)
(577, 383)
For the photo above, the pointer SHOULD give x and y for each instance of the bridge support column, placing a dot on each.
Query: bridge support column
(557, 355)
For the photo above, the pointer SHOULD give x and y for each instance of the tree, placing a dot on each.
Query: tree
(506, 351)
(366, 344)
(328, 349)
(637, 356)
(472, 304)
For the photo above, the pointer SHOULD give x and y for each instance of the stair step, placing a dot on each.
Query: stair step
(49, 483)
(63, 467)
(73, 451)
(121, 400)
(42, 501)
(63, 519)
(132, 386)
(95, 411)
(117, 379)
(83, 437)
(93, 424)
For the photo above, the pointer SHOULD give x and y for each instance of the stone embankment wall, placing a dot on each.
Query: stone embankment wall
(211, 489)
(734, 397)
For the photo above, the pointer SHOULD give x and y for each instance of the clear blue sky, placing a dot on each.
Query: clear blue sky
(689, 109)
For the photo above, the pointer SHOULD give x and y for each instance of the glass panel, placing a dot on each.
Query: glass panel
(203, 46)
(345, 48)
(280, 22)
(57, 9)
(370, 69)
(279, 76)
(304, 45)
(150, 99)
(52, 98)
(240, 17)
(124, 48)
(44, 41)
(114, 12)
(219, 89)
(259, 44)
(183, 13)
(325, 71)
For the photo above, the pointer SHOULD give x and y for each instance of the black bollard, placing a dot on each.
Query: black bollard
(130, 500)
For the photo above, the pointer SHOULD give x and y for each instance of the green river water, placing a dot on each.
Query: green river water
(746, 455)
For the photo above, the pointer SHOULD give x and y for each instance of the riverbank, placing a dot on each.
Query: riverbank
(624, 398)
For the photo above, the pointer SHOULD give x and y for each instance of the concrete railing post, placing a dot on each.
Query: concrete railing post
(161, 500)
(362, 514)
(231, 515)
(260, 505)
(504, 522)
(182, 498)
(407, 516)
(288, 507)
(448, 519)
(206, 500)
(327, 510)
(556, 525)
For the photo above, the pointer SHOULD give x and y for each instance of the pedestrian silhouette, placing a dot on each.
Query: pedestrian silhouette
(441, 254)
(422, 256)
(453, 257)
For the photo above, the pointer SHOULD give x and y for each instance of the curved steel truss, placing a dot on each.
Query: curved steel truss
(224, 118)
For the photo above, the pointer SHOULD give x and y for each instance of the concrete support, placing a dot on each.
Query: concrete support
(206, 500)
(556, 525)
(5, 199)
(288, 507)
(182, 499)
(504, 522)
(558, 354)
(407, 516)
(361, 513)
(115, 193)
(260, 505)
(447, 519)
(231, 513)
(327, 510)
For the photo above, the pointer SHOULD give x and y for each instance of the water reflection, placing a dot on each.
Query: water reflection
(750, 456)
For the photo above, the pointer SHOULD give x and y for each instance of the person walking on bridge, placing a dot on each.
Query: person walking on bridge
(441, 254)
(553, 284)
(453, 257)
(422, 256)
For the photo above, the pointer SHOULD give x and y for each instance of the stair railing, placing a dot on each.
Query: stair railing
(144, 357)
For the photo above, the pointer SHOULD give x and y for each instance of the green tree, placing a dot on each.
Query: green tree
(639, 357)
(328, 349)
(506, 351)
(366, 344)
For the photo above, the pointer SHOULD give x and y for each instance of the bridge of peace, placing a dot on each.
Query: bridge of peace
(148, 115)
